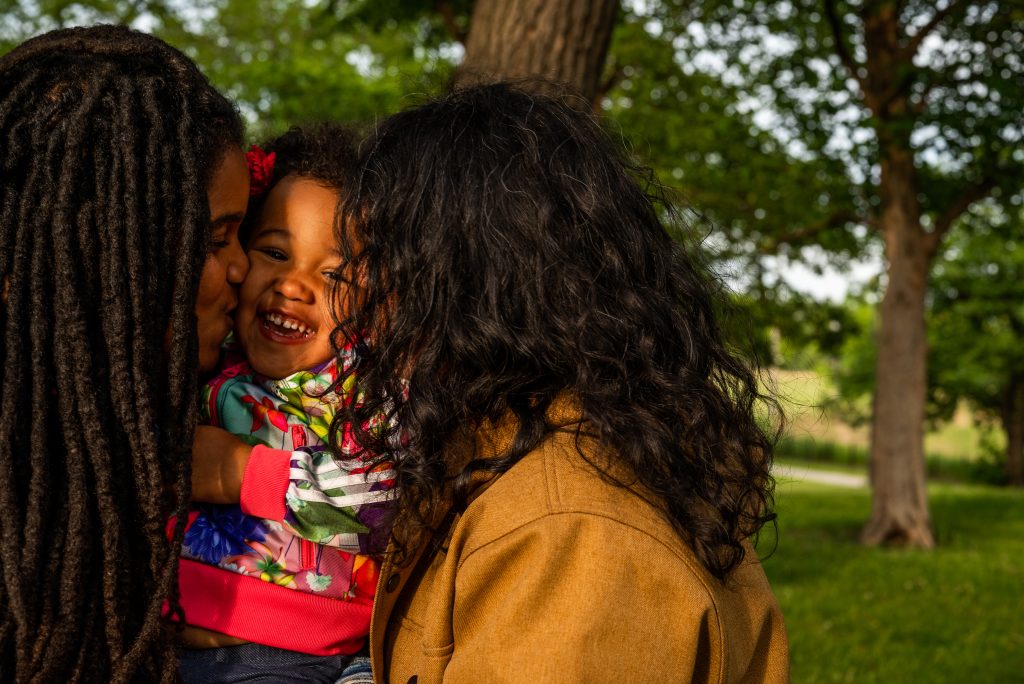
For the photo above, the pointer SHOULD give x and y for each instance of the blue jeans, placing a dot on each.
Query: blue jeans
(264, 664)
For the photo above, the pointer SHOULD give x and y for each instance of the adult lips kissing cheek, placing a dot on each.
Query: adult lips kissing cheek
(226, 264)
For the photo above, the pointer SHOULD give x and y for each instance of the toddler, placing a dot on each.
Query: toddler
(289, 574)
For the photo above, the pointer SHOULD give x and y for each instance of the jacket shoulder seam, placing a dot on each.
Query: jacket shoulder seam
(688, 562)
(553, 513)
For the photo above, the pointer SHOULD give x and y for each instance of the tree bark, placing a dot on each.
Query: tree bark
(565, 42)
(1013, 423)
(899, 513)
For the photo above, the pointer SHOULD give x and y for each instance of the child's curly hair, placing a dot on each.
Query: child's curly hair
(323, 152)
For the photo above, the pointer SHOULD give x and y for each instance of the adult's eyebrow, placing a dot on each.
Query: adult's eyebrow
(223, 219)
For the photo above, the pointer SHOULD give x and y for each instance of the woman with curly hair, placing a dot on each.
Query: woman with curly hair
(579, 466)
(124, 185)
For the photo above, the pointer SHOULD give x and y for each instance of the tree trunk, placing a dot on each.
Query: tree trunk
(899, 509)
(565, 41)
(899, 512)
(1013, 423)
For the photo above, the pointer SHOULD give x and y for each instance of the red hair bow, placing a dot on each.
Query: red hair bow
(261, 170)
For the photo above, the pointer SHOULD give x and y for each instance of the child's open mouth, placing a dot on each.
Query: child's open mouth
(284, 328)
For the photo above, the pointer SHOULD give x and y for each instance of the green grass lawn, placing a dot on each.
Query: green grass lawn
(953, 614)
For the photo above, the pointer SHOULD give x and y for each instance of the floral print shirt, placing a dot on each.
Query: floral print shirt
(335, 522)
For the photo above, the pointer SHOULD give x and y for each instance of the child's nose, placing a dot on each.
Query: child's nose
(295, 286)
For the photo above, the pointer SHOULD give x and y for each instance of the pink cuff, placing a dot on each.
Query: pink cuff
(265, 482)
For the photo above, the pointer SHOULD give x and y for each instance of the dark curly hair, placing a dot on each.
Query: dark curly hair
(108, 140)
(324, 152)
(507, 254)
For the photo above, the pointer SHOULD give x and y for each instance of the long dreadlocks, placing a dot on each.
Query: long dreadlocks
(108, 138)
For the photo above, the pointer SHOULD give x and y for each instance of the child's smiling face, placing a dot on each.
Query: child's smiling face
(283, 322)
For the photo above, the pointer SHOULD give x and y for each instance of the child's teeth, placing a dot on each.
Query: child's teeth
(289, 323)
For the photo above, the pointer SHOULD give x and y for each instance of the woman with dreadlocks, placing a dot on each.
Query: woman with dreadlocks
(579, 466)
(123, 185)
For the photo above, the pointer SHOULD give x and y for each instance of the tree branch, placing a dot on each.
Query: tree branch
(447, 11)
(841, 50)
(900, 88)
(833, 220)
(957, 207)
(940, 15)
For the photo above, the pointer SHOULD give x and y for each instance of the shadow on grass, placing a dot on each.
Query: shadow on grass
(970, 517)
(820, 519)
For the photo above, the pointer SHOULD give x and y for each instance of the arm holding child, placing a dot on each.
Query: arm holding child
(219, 461)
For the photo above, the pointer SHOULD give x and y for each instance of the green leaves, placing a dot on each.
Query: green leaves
(288, 63)
(977, 312)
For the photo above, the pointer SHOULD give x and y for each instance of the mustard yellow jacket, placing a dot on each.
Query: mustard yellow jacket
(551, 574)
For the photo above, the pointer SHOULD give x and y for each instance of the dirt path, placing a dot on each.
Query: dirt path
(785, 472)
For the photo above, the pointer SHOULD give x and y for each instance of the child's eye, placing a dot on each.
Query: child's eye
(275, 254)
(337, 276)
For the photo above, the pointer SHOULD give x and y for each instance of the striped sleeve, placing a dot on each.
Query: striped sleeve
(320, 499)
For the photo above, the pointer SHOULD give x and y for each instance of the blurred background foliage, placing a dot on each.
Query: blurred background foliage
(745, 112)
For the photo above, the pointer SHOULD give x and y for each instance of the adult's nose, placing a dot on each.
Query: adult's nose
(238, 263)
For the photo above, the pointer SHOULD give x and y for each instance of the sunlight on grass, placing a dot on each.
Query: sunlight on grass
(953, 614)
